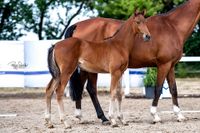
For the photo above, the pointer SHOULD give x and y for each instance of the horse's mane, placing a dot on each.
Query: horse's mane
(172, 10)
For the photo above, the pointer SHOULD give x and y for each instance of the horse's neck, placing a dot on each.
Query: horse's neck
(125, 36)
(184, 18)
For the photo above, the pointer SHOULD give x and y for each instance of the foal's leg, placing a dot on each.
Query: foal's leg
(161, 74)
(173, 91)
(59, 96)
(119, 94)
(92, 90)
(49, 92)
(115, 76)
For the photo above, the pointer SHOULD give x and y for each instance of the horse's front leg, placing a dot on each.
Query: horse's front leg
(115, 77)
(119, 101)
(174, 93)
(162, 72)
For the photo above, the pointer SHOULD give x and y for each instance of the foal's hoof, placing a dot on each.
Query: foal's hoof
(125, 123)
(107, 122)
(50, 125)
(181, 119)
(154, 122)
(67, 126)
(157, 120)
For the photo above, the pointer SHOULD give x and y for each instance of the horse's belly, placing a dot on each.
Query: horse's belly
(91, 67)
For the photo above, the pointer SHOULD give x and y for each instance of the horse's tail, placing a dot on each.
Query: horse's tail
(52, 65)
(75, 84)
(69, 32)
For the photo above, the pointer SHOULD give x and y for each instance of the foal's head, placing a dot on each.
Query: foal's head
(140, 25)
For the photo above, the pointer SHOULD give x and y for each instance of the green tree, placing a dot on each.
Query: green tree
(44, 27)
(18, 16)
(12, 16)
(122, 9)
(192, 46)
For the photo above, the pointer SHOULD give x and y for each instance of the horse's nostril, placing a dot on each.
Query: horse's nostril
(146, 37)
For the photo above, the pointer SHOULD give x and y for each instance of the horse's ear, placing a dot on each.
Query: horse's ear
(144, 12)
(136, 12)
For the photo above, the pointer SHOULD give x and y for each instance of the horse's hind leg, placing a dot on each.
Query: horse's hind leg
(174, 93)
(64, 77)
(92, 90)
(49, 93)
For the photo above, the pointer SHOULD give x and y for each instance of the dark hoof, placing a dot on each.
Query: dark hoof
(114, 125)
(49, 125)
(107, 122)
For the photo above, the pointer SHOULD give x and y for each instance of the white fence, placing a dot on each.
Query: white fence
(24, 64)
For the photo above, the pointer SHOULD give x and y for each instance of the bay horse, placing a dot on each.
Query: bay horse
(169, 32)
(108, 56)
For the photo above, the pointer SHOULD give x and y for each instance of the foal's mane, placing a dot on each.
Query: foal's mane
(107, 38)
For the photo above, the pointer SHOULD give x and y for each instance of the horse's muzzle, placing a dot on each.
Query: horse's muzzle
(146, 37)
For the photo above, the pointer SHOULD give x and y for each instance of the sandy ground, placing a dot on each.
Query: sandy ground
(30, 114)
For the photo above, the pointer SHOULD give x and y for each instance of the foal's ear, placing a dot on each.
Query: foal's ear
(144, 12)
(136, 12)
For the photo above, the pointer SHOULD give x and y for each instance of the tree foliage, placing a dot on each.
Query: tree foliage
(122, 9)
(18, 16)
(48, 28)
(13, 15)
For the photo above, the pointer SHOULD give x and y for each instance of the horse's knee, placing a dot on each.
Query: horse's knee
(119, 95)
(173, 91)
(59, 96)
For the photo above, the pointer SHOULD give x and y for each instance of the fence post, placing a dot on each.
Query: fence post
(127, 84)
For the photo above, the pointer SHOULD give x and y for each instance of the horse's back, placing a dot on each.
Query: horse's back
(67, 46)
(96, 29)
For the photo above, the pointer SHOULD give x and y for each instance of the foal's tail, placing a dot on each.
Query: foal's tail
(75, 84)
(52, 65)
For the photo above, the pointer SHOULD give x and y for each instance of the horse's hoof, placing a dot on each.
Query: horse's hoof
(83, 121)
(114, 125)
(181, 119)
(50, 125)
(124, 123)
(158, 120)
(106, 122)
(78, 117)
(67, 126)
